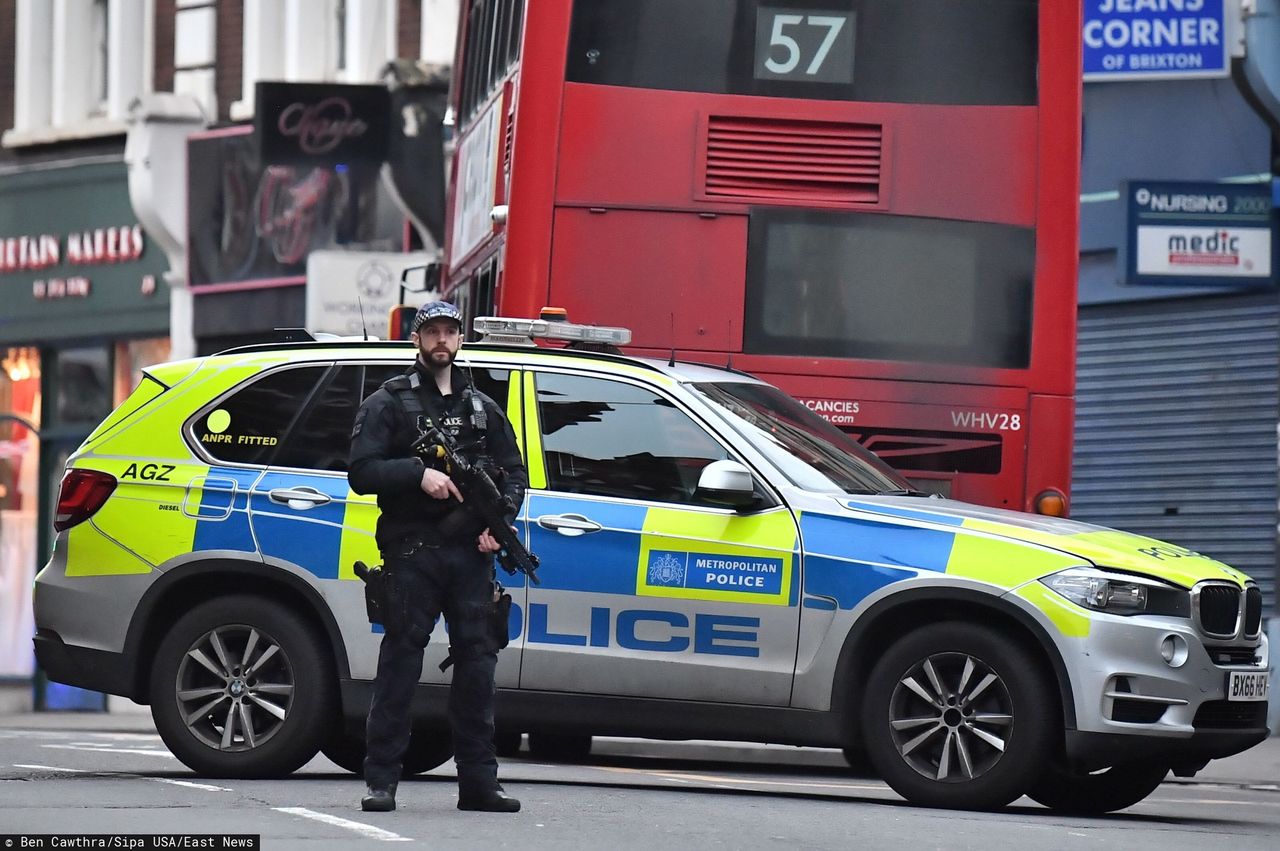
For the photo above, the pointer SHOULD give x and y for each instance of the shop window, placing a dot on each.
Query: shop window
(248, 426)
(133, 356)
(83, 386)
(19, 506)
(608, 438)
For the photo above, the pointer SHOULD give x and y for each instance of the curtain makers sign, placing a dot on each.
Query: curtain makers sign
(1154, 39)
(73, 259)
(1199, 234)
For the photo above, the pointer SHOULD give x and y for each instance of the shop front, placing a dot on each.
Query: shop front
(262, 198)
(83, 308)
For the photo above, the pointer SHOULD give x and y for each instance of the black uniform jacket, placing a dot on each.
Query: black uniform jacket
(381, 462)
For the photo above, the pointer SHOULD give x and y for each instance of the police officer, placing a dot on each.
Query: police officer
(438, 557)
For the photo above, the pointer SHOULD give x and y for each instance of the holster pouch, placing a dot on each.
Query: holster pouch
(375, 580)
(494, 632)
(500, 619)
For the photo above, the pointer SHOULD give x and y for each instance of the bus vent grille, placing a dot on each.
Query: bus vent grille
(783, 160)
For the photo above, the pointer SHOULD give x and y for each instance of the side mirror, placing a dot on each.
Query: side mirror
(727, 483)
(420, 279)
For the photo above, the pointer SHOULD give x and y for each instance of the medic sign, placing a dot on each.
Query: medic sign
(1155, 39)
(1199, 234)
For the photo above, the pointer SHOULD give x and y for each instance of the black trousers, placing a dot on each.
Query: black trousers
(456, 580)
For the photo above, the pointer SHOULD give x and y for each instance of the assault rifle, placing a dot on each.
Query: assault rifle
(482, 495)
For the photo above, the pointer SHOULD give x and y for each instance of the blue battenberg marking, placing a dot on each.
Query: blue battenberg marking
(310, 538)
(895, 511)
(602, 562)
(847, 583)
(223, 515)
(860, 539)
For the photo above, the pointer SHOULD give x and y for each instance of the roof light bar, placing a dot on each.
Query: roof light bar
(499, 329)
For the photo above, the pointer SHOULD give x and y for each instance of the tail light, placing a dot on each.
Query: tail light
(82, 493)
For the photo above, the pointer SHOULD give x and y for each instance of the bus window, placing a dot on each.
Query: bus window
(889, 288)
(971, 52)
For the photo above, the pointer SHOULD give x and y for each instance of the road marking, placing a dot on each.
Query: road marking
(1153, 800)
(111, 750)
(50, 768)
(708, 778)
(187, 784)
(366, 830)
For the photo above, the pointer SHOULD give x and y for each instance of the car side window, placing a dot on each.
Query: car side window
(609, 438)
(248, 426)
(322, 437)
(491, 382)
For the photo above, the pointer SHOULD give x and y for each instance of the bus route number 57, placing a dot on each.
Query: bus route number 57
(796, 46)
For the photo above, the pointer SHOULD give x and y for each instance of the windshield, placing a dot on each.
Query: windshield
(811, 452)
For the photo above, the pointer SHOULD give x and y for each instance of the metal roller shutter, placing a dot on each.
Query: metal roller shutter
(1176, 426)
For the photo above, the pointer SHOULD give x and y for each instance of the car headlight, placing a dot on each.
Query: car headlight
(1119, 593)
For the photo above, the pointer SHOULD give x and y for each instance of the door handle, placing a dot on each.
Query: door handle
(299, 498)
(569, 525)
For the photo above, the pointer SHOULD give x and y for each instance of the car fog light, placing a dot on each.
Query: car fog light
(1174, 650)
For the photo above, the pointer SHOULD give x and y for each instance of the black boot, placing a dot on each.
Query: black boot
(488, 801)
(379, 799)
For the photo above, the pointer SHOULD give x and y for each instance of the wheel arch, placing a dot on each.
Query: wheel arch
(893, 617)
(175, 593)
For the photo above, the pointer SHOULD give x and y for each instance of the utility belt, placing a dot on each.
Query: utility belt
(385, 604)
(455, 526)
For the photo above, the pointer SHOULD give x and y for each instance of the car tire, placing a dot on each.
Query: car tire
(243, 687)
(345, 750)
(428, 748)
(958, 715)
(856, 759)
(1093, 793)
(507, 742)
(559, 747)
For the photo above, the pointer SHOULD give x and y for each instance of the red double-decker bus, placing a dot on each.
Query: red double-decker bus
(870, 203)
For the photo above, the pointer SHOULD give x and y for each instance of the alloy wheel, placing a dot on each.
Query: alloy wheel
(950, 717)
(234, 688)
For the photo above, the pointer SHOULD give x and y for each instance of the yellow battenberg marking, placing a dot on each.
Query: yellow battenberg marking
(146, 507)
(1066, 616)
(91, 553)
(359, 523)
(1004, 563)
(771, 535)
(1113, 548)
(533, 436)
(515, 396)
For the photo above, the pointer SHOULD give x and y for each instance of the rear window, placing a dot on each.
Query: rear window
(248, 426)
(897, 288)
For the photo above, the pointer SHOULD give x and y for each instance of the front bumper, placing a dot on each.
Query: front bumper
(1133, 705)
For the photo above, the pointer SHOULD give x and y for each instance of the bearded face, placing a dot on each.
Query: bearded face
(438, 342)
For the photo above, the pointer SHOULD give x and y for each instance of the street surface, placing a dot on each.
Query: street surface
(629, 794)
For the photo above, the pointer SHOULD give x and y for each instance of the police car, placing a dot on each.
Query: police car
(717, 562)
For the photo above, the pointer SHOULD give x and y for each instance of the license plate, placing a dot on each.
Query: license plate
(1247, 685)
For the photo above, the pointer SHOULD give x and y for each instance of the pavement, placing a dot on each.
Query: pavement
(1256, 768)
